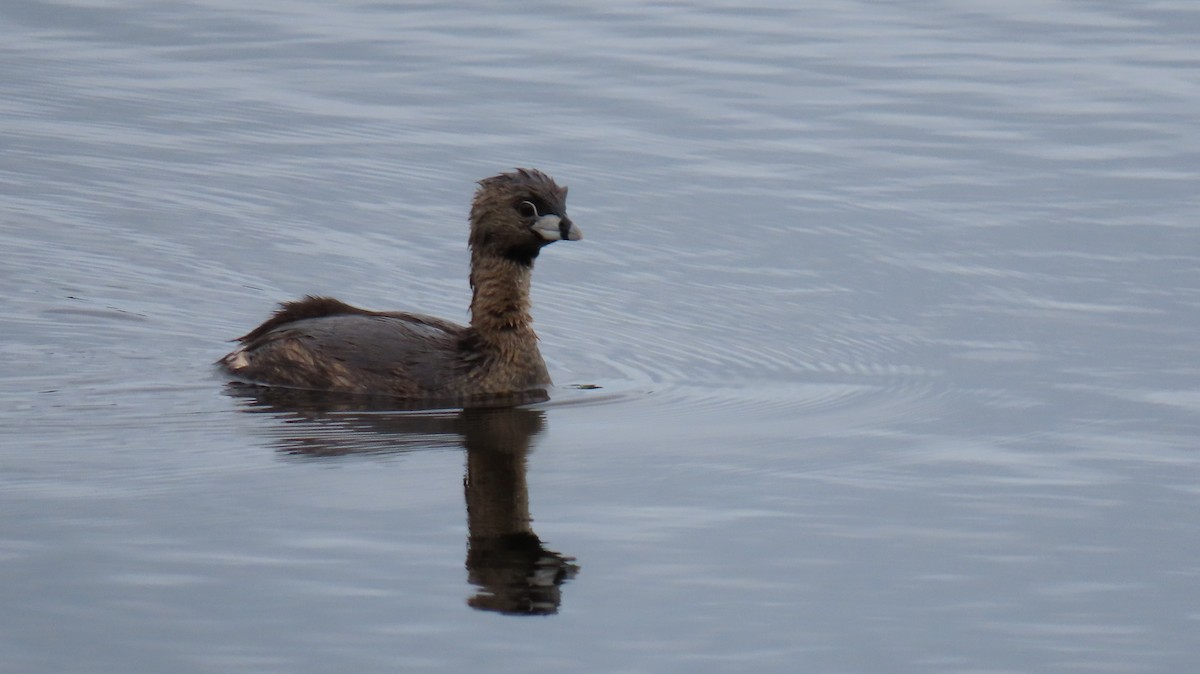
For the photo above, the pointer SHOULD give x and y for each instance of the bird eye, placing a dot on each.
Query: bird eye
(527, 209)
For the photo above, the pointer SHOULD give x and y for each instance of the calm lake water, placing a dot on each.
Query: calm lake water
(893, 310)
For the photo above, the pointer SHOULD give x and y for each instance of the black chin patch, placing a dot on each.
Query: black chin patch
(524, 255)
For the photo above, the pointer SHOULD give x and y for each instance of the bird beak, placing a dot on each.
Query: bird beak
(556, 228)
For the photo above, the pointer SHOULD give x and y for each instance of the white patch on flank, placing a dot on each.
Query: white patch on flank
(237, 360)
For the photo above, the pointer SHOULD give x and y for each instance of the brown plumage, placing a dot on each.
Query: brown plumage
(320, 343)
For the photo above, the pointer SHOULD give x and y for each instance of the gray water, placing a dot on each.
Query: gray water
(892, 307)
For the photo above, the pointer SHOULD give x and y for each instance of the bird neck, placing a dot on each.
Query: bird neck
(500, 299)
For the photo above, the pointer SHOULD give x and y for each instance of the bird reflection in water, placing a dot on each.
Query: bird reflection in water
(514, 573)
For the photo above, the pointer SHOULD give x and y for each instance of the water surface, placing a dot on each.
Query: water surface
(892, 311)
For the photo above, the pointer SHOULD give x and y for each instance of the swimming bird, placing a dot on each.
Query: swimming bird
(324, 344)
